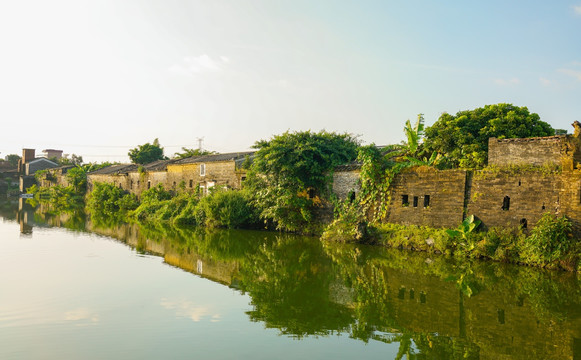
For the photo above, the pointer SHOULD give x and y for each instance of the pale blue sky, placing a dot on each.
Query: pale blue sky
(98, 77)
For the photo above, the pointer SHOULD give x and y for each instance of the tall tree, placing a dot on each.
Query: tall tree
(146, 153)
(12, 159)
(463, 138)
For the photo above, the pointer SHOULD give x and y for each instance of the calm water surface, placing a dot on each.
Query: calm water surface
(71, 288)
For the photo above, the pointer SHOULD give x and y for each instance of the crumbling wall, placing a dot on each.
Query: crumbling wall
(509, 198)
(346, 181)
(532, 151)
(427, 196)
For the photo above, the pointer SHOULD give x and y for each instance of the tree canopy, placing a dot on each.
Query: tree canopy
(186, 153)
(12, 159)
(146, 153)
(463, 138)
(291, 173)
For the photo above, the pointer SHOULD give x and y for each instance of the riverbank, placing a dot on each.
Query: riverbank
(549, 244)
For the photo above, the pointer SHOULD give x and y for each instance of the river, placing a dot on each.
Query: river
(76, 288)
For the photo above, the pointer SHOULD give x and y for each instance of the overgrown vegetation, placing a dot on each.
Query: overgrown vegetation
(463, 138)
(291, 174)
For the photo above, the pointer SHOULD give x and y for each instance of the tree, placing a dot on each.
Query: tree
(76, 160)
(463, 138)
(191, 153)
(146, 153)
(291, 172)
(12, 159)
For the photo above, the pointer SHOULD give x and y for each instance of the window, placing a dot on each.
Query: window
(523, 223)
(506, 203)
(131, 186)
(405, 200)
(426, 201)
(416, 201)
(191, 183)
(148, 184)
(202, 169)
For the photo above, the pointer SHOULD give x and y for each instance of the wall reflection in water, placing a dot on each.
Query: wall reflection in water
(433, 307)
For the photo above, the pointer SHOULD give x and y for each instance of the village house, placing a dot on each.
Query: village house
(28, 165)
(198, 173)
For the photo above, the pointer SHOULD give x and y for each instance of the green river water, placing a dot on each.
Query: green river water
(72, 288)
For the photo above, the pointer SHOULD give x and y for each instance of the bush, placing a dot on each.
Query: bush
(107, 199)
(229, 209)
(551, 240)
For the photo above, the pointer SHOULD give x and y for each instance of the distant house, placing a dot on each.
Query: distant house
(198, 172)
(28, 165)
(52, 154)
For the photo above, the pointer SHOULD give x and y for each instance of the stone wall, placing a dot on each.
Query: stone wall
(506, 198)
(530, 151)
(426, 196)
(345, 181)
(217, 173)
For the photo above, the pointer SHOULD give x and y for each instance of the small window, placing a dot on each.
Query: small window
(148, 184)
(191, 183)
(506, 203)
(202, 169)
(405, 200)
(131, 186)
(174, 185)
(416, 201)
(426, 201)
(523, 223)
(311, 193)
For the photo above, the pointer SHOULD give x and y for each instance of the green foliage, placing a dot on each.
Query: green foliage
(550, 240)
(186, 153)
(12, 159)
(109, 200)
(146, 153)
(463, 137)
(77, 178)
(466, 227)
(229, 209)
(291, 173)
(73, 160)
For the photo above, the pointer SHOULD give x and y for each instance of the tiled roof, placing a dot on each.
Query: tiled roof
(115, 169)
(237, 156)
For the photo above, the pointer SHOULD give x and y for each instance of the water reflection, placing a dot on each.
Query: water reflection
(434, 308)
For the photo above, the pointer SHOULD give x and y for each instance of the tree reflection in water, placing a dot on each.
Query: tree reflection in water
(434, 308)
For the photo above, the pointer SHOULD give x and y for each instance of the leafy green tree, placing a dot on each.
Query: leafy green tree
(291, 172)
(12, 159)
(463, 138)
(186, 153)
(146, 153)
(73, 160)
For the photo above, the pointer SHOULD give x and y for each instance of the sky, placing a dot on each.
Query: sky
(97, 78)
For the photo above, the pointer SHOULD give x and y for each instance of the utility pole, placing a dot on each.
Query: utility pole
(200, 140)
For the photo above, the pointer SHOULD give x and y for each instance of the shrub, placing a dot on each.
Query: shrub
(107, 199)
(550, 240)
(229, 209)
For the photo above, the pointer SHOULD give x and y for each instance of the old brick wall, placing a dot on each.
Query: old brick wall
(533, 151)
(218, 173)
(344, 182)
(570, 197)
(442, 191)
(528, 194)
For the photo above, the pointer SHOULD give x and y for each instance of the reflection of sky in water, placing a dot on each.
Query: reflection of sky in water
(68, 295)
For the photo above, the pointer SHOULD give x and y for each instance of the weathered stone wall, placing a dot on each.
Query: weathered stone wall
(345, 181)
(426, 196)
(531, 151)
(508, 198)
(217, 173)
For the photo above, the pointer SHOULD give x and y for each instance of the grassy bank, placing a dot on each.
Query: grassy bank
(550, 244)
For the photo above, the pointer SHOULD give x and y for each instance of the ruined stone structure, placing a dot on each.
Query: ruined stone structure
(525, 179)
(192, 174)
